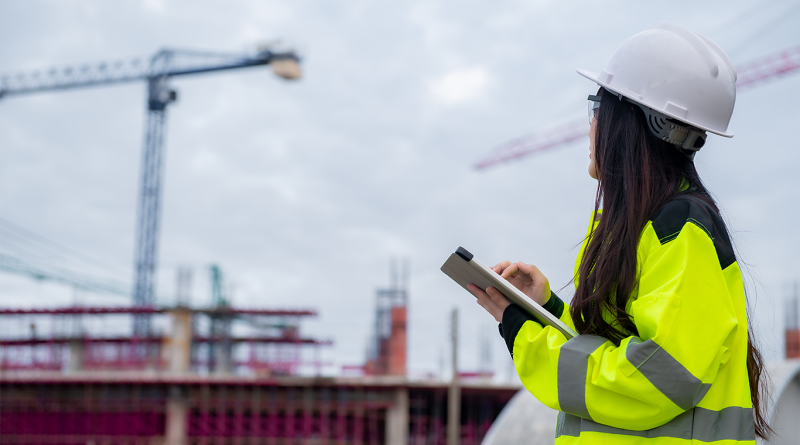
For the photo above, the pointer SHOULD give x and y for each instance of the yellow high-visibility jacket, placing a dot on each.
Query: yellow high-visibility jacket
(684, 379)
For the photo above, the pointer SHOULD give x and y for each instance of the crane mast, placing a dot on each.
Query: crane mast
(162, 66)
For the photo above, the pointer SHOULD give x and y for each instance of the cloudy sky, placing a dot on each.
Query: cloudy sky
(303, 192)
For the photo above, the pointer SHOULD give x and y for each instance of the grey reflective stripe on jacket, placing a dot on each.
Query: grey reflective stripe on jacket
(662, 370)
(668, 375)
(573, 363)
(732, 423)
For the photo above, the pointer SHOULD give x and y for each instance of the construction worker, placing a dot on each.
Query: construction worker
(664, 354)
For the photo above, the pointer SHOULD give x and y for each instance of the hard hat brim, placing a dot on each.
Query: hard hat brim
(595, 77)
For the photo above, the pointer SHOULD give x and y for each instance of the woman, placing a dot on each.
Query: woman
(664, 354)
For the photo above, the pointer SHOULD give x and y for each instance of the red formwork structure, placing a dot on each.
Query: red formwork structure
(143, 409)
(68, 378)
(77, 338)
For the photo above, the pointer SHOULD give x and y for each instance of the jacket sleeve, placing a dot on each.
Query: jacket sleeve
(686, 322)
(518, 316)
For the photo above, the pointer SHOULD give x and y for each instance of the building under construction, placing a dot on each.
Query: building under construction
(139, 408)
(80, 375)
(179, 375)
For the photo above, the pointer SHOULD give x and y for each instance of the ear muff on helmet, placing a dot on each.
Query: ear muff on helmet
(689, 140)
(670, 130)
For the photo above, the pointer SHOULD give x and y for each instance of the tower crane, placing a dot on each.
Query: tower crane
(749, 75)
(157, 72)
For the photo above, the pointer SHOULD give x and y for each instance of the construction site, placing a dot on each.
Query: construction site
(150, 374)
(145, 372)
(73, 384)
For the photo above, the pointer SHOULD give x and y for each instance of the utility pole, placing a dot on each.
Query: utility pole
(485, 353)
(454, 394)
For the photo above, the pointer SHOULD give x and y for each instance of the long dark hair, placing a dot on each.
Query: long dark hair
(637, 174)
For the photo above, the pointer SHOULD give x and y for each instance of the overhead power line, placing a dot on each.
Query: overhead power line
(39, 244)
(19, 266)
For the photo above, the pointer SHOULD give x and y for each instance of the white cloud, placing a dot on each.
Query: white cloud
(461, 85)
(157, 6)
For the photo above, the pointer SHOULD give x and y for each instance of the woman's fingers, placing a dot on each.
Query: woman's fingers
(498, 299)
(525, 277)
(491, 300)
(529, 269)
(483, 299)
(487, 302)
(488, 305)
(496, 296)
(539, 286)
(501, 266)
(510, 271)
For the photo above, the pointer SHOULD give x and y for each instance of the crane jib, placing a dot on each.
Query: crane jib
(105, 73)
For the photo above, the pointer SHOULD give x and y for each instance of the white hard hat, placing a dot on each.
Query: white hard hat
(673, 72)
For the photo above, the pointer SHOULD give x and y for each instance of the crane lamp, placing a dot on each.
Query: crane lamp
(288, 69)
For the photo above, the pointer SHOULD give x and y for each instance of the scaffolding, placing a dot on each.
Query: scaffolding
(387, 350)
(74, 339)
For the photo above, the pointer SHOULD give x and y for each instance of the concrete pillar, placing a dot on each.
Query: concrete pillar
(76, 350)
(223, 357)
(397, 419)
(178, 346)
(222, 348)
(454, 413)
(177, 413)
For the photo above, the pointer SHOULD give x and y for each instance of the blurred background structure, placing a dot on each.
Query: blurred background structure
(82, 374)
(197, 380)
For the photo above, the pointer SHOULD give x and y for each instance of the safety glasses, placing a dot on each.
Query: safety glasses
(594, 105)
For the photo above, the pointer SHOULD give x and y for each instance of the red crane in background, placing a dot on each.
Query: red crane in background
(749, 75)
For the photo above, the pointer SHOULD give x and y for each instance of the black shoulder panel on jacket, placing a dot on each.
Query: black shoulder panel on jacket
(670, 219)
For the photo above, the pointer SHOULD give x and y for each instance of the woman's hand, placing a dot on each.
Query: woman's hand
(492, 300)
(525, 277)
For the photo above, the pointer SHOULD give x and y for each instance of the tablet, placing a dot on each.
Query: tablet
(465, 269)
